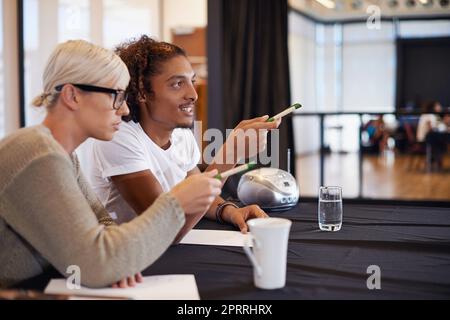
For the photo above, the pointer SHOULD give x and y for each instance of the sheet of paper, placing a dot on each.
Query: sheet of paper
(164, 287)
(216, 238)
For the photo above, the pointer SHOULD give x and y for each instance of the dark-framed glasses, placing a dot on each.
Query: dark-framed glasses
(119, 95)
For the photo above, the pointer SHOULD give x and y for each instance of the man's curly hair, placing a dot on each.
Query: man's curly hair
(144, 58)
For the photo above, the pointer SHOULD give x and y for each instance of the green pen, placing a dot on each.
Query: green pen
(285, 112)
(239, 169)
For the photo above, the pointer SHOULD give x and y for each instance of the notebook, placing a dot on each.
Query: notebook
(161, 287)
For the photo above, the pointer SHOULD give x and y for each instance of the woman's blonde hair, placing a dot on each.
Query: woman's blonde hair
(80, 62)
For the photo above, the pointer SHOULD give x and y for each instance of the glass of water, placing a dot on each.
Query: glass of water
(330, 208)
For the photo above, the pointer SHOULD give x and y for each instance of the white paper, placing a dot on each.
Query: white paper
(216, 238)
(164, 287)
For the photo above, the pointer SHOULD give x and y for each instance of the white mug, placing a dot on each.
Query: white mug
(270, 240)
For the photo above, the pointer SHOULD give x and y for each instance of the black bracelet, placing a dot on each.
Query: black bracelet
(219, 210)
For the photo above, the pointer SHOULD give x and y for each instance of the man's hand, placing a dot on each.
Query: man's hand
(129, 282)
(246, 140)
(197, 192)
(238, 217)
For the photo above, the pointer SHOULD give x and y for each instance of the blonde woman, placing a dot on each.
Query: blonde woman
(48, 213)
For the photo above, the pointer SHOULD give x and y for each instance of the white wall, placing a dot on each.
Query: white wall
(185, 13)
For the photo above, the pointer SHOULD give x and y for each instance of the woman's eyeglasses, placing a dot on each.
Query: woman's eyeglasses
(119, 95)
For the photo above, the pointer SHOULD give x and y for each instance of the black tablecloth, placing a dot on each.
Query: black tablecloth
(411, 246)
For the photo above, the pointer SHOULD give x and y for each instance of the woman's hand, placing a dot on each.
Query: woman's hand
(239, 216)
(248, 139)
(197, 192)
(129, 282)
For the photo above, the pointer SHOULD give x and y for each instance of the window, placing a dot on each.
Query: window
(73, 20)
(302, 60)
(106, 23)
(47, 23)
(424, 29)
(125, 19)
(346, 67)
(368, 63)
(2, 81)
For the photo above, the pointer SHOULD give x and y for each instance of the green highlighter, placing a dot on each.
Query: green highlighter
(239, 169)
(285, 112)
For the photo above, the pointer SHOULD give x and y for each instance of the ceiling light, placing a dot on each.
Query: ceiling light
(393, 3)
(410, 3)
(356, 4)
(329, 4)
(426, 3)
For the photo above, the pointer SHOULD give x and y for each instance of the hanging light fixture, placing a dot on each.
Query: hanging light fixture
(393, 3)
(426, 3)
(329, 4)
(356, 4)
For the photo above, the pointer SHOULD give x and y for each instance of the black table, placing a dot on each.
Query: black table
(411, 245)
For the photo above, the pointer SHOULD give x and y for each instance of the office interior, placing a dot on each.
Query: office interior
(348, 70)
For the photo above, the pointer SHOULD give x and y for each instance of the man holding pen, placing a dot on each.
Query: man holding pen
(154, 148)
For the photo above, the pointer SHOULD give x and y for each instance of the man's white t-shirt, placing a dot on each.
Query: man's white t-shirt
(131, 150)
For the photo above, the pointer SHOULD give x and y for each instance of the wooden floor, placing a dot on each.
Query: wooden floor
(386, 177)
